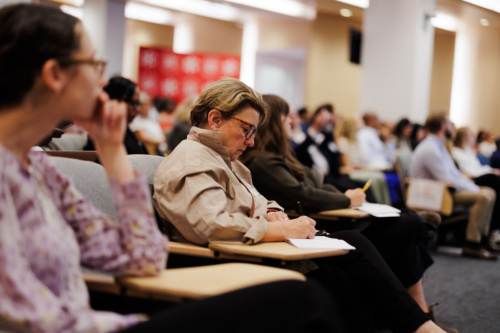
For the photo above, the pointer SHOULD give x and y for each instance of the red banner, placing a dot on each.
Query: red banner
(163, 73)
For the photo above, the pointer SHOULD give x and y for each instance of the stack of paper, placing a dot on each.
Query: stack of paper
(321, 242)
(379, 210)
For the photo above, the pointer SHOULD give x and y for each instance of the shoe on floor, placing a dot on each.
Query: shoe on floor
(494, 241)
(430, 314)
(480, 253)
(430, 217)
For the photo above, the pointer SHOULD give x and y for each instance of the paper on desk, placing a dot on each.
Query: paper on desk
(321, 242)
(379, 210)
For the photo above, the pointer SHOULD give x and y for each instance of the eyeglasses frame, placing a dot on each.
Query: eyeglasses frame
(252, 131)
(100, 65)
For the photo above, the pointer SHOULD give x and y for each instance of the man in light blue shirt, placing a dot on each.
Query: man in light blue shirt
(432, 160)
(376, 154)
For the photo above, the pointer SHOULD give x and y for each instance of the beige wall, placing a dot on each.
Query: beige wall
(283, 34)
(139, 33)
(442, 71)
(485, 103)
(330, 77)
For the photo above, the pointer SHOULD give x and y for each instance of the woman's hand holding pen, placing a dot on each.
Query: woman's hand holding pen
(357, 197)
(301, 227)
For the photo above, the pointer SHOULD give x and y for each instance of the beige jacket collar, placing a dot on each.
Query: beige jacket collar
(211, 139)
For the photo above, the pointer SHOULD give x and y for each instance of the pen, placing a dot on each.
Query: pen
(367, 185)
(301, 212)
(299, 208)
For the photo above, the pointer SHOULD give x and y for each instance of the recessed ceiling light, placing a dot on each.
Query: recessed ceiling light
(484, 21)
(346, 12)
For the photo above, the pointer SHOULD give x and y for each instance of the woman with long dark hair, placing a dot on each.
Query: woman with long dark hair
(277, 174)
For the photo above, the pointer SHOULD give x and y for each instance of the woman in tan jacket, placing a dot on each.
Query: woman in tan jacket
(203, 194)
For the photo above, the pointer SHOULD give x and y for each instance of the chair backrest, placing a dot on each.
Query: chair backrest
(90, 179)
(147, 165)
(69, 141)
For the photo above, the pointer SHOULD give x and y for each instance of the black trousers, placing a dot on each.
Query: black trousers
(371, 296)
(286, 306)
(402, 243)
(493, 181)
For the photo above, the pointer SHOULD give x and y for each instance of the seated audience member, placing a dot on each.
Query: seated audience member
(276, 173)
(205, 194)
(431, 160)
(147, 130)
(352, 163)
(320, 152)
(402, 133)
(376, 154)
(47, 229)
(304, 118)
(485, 146)
(418, 134)
(495, 157)
(466, 158)
(165, 107)
(182, 123)
(377, 149)
(123, 90)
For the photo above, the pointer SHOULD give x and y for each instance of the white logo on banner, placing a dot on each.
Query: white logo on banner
(190, 87)
(149, 59)
(171, 62)
(191, 65)
(210, 66)
(170, 87)
(229, 67)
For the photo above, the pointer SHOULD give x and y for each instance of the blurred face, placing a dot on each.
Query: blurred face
(145, 106)
(85, 82)
(324, 118)
(407, 130)
(133, 107)
(470, 140)
(287, 125)
(234, 131)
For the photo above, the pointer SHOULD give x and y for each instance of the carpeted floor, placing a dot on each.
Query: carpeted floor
(468, 292)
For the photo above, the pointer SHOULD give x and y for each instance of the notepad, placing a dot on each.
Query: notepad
(321, 242)
(379, 210)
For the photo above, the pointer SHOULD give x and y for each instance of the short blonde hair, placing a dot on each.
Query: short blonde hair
(228, 96)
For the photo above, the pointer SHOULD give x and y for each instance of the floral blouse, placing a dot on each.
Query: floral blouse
(48, 230)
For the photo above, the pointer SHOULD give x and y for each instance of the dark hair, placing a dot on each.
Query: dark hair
(497, 143)
(400, 126)
(270, 138)
(434, 122)
(121, 89)
(328, 107)
(460, 137)
(163, 104)
(229, 96)
(30, 35)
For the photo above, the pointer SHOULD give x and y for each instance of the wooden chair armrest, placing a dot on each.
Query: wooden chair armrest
(190, 249)
(205, 281)
(273, 250)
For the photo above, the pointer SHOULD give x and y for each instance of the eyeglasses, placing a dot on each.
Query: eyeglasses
(249, 132)
(100, 65)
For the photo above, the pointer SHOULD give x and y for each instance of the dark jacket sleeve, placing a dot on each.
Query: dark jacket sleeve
(273, 178)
